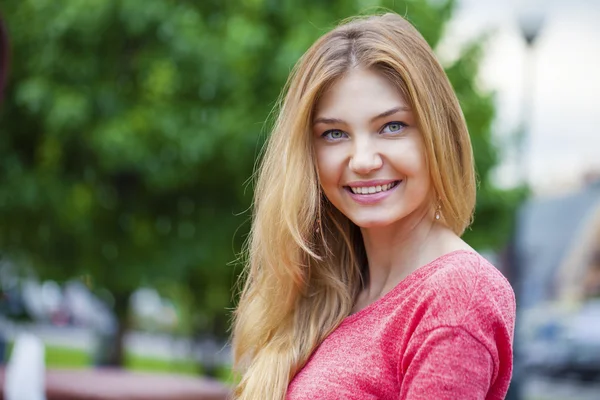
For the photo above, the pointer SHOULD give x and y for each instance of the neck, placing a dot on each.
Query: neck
(394, 251)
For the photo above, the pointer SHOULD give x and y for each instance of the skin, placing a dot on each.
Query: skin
(364, 130)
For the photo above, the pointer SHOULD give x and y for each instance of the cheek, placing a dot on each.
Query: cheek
(421, 182)
(409, 159)
(329, 167)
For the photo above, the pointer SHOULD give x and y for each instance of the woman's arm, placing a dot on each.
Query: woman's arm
(449, 363)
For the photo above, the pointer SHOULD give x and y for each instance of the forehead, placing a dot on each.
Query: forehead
(359, 93)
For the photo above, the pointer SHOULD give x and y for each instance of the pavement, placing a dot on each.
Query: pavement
(540, 388)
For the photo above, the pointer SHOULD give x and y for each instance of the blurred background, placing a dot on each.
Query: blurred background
(129, 130)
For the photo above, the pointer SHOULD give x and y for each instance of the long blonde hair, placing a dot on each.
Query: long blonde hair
(306, 260)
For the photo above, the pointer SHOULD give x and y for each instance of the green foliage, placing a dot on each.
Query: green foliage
(58, 357)
(131, 126)
(147, 364)
(495, 208)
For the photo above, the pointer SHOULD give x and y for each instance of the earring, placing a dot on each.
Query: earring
(438, 211)
(318, 224)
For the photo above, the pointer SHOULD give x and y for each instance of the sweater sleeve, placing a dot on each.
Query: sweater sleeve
(446, 363)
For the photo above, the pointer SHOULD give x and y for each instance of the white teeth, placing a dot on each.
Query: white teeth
(371, 189)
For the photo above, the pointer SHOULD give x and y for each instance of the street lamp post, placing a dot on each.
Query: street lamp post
(530, 25)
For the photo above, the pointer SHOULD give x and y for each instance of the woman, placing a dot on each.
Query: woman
(358, 285)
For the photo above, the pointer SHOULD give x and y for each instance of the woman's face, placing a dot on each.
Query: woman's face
(370, 155)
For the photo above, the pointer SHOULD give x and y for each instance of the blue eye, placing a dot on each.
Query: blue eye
(394, 127)
(334, 134)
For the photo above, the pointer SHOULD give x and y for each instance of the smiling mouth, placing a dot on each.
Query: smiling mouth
(367, 190)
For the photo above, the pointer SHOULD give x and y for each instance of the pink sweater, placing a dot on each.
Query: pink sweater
(445, 332)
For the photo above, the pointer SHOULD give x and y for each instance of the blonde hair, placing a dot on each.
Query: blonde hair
(305, 259)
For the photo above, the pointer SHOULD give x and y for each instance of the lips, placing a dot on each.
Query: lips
(372, 189)
(371, 192)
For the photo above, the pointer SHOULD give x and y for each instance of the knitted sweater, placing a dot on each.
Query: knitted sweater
(444, 332)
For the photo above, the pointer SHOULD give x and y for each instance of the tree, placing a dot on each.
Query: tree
(131, 127)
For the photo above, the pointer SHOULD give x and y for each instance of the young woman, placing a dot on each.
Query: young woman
(358, 285)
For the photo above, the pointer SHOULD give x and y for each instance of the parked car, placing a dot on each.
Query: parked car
(567, 346)
(582, 338)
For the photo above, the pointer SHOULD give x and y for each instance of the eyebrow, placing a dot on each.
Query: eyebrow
(384, 114)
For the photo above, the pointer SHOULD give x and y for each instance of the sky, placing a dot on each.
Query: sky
(563, 142)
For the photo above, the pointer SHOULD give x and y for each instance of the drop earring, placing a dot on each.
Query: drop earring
(438, 211)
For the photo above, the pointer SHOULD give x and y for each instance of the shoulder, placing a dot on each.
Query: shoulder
(464, 272)
(464, 314)
(464, 289)
(464, 265)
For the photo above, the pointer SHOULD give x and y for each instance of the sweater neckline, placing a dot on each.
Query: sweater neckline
(415, 275)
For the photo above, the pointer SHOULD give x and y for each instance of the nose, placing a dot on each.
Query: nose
(365, 158)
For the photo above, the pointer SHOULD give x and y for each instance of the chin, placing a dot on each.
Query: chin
(372, 222)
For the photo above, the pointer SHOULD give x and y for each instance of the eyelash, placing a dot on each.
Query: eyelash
(327, 134)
